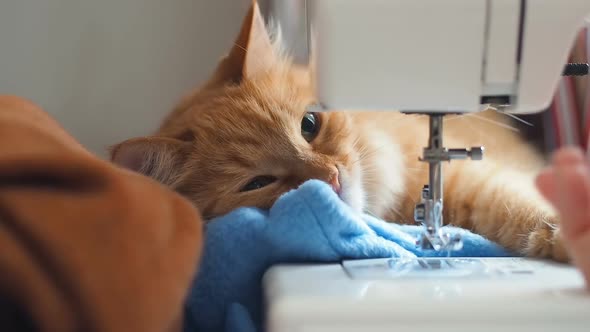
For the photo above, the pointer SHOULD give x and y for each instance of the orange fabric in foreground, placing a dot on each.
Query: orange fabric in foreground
(84, 245)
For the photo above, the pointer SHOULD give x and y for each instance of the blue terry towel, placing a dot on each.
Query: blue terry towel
(310, 224)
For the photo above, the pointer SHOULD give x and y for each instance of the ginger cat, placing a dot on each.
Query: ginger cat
(245, 138)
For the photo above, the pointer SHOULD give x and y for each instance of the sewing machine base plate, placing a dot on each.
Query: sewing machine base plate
(438, 294)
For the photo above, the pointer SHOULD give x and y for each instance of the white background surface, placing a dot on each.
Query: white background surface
(108, 70)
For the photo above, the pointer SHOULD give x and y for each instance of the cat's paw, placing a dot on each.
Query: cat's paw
(547, 242)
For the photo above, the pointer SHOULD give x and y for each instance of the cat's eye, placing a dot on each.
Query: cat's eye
(310, 126)
(258, 182)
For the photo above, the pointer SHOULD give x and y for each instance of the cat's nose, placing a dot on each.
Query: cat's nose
(334, 182)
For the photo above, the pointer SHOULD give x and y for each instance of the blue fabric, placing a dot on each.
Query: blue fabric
(310, 224)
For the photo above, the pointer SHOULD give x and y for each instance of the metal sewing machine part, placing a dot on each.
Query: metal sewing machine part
(433, 57)
(429, 212)
(429, 57)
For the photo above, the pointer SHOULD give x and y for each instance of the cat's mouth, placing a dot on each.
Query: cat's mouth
(336, 182)
(349, 190)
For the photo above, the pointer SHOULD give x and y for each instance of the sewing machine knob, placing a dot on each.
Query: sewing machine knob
(425, 192)
(420, 213)
(476, 153)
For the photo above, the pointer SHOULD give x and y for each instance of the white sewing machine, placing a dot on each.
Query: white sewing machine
(435, 57)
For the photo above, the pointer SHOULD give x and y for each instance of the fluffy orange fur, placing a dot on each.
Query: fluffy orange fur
(246, 122)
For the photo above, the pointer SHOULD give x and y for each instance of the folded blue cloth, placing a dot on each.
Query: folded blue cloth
(310, 224)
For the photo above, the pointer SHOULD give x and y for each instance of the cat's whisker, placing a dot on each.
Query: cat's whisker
(365, 154)
(451, 118)
(369, 171)
(479, 133)
(551, 226)
(508, 212)
(519, 119)
(413, 171)
(370, 197)
(513, 116)
(364, 151)
(373, 151)
(240, 47)
(496, 123)
(422, 168)
(356, 141)
(357, 160)
(415, 168)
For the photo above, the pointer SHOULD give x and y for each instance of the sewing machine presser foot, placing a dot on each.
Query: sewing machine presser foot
(429, 211)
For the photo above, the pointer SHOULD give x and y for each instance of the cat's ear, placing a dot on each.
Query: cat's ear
(252, 53)
(157, 157)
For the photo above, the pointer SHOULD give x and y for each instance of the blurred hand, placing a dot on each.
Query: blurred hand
(566, 184)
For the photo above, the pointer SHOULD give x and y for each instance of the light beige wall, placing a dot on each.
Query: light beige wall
(110, 69)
